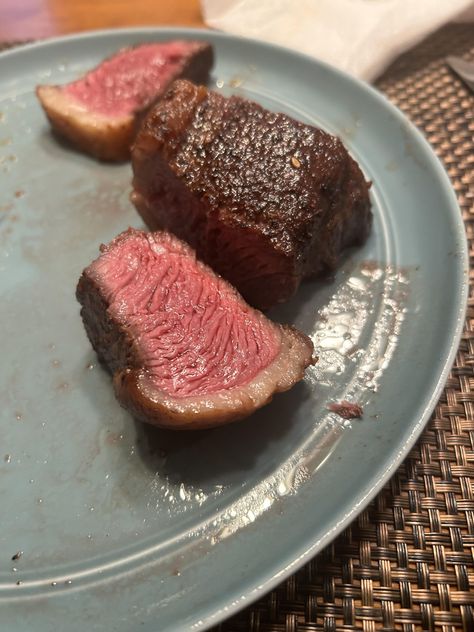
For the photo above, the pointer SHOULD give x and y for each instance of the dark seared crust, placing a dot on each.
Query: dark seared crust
(110, 138)
(264, 199)
(120, 354)
(111, 342)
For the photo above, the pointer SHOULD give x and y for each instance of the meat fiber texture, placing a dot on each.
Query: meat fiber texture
(100, 112)
(185, 350)
(265, 200)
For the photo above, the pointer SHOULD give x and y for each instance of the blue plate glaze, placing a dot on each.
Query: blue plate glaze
(125, 528)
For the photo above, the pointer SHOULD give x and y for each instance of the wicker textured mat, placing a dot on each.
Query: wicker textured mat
(407, 562)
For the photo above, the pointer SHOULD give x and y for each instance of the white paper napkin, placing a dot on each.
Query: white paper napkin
(358, 36)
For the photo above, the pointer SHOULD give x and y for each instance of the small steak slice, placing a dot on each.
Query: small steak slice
(264, 200)
(100, 112)
(184, 349)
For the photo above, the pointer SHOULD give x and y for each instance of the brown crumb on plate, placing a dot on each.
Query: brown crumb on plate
(346, 410)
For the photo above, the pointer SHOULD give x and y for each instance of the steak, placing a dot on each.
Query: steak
(265, 200)
(184, 348)
(99, 112)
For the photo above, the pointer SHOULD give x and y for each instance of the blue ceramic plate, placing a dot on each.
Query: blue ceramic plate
(126, 528)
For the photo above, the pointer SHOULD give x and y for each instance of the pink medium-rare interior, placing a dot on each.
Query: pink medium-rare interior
(194, 333)
(129, 80)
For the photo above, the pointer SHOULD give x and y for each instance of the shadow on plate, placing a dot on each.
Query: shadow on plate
(221, 455)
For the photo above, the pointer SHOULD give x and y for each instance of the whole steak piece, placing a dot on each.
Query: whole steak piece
(100, 112)
(184, 349)
(264, 199)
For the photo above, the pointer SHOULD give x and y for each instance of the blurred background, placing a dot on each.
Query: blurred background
(359, 36)
(32, 19)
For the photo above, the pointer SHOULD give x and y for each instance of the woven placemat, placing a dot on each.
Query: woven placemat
(407, 562)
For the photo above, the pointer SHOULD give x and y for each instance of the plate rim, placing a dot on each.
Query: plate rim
(254, 588)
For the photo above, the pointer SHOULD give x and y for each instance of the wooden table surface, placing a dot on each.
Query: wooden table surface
(33, 19)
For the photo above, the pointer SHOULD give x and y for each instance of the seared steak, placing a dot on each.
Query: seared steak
(184, 349)
(99, 112)
(265, 200)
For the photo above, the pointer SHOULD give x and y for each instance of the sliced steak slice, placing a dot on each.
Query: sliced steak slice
(99, 112)
(184, 349)
(264, 200)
